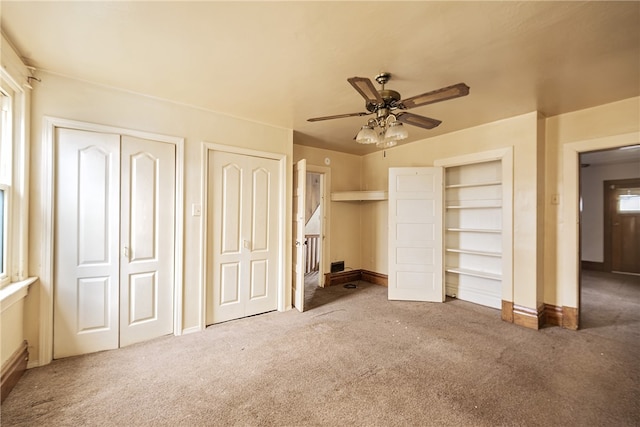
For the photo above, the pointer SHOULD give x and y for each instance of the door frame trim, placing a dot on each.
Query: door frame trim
(283, 304)
(568, 238)
(45, 354)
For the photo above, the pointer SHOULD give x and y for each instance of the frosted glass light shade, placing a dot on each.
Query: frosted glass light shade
(387, 144)
(396, 132)
(367, 135)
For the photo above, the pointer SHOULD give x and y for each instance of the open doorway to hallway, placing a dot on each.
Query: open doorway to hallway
(313, 235)
(609, 236)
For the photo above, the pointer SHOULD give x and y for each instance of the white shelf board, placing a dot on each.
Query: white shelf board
(474, 184)
(473, 230)
(474, 273)
(483, 253)
(350, 196)
(494, 206)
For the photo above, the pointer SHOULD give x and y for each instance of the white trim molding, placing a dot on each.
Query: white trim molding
(47, 216)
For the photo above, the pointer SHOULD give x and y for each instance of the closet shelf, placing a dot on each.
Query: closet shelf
(474, 273)
(474, 230)
(474, 184)
(493, 206)
(468, 252)
(350, 196)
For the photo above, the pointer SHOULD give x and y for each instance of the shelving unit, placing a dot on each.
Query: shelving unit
(473, 232)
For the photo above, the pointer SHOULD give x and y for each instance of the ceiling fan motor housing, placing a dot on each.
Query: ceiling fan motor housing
(390, 98)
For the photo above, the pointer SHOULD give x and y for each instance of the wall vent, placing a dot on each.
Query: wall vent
(337, 266)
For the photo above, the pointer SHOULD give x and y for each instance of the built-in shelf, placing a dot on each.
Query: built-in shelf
(474, 198)
(351, 196)
(474, 230)
(474, 207)
(468, 252)
(474, 184)
(473, 273)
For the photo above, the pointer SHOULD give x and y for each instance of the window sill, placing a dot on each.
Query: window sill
(14, 292)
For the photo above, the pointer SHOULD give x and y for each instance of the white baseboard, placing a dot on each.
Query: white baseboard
(191, 330)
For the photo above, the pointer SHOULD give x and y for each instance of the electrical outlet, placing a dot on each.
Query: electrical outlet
(196, 209)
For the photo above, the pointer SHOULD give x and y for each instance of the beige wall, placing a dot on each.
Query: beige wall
(66, 98)
(519, 132)
(11, 330)
(345, 224)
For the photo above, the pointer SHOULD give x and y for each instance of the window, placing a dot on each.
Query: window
(629, 201)
(6, 144)
(13, 178)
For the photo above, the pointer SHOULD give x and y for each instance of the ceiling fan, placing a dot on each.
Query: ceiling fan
(383, 104)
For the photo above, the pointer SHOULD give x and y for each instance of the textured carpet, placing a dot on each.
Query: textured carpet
(357, 359)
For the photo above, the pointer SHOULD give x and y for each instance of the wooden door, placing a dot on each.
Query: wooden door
(243, 227)
(622, 225)
(86, 243)
(415, 234)
(147, 239)
(299, 240)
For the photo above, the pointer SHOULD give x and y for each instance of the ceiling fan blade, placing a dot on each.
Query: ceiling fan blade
(365, 87)
(416, 120)
(337, 116)
(438, 95)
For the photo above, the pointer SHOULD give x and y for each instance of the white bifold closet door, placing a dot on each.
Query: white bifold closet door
(243, 241)
(114, 241)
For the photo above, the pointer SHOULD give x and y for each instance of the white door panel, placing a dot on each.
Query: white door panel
(86, 242)
(299, 241)
(243, 232)
(147, 239)
(415, 234)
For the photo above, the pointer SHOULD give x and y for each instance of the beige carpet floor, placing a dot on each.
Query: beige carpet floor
(356, 358)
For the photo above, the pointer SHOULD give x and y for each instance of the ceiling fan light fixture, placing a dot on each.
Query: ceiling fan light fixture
(367, 135)
(386, 129)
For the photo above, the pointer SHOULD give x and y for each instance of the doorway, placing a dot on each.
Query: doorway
(609, 238)
(313, 235)
(310, 243)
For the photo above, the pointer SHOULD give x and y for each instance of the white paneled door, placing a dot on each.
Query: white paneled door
(114, 237)
(415, 234)
(243, 241)
(147, 239)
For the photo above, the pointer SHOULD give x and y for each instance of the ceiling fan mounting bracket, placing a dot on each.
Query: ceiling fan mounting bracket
(383, 78)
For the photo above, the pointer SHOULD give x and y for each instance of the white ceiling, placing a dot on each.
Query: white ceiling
(283, 62)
